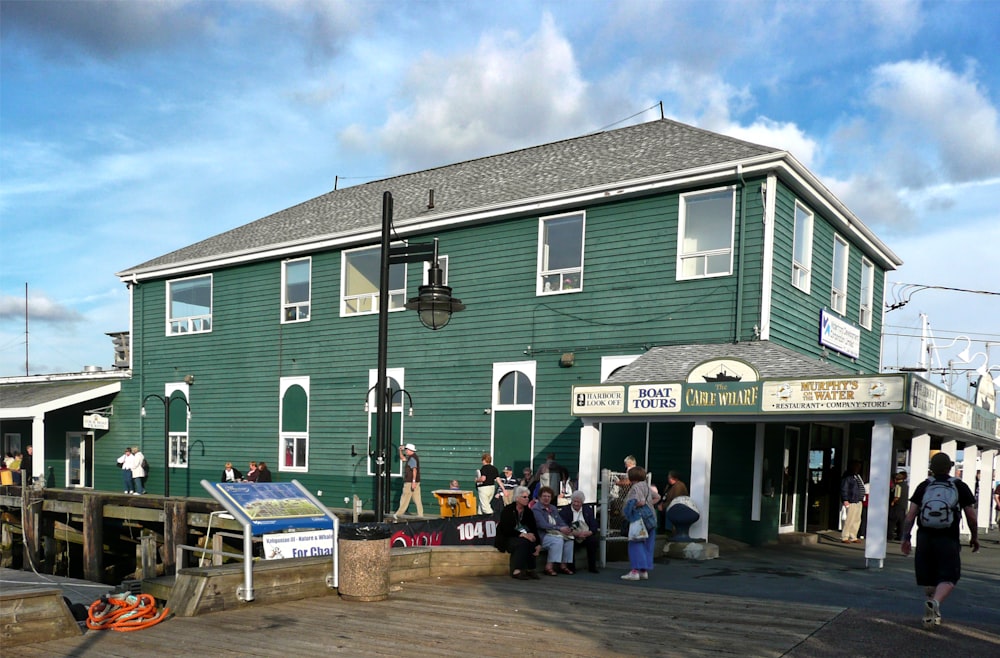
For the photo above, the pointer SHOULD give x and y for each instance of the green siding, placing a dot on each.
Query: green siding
(630, 300)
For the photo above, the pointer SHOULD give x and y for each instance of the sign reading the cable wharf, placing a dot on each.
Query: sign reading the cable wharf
(840, 394)
(722, 397)
(598, 400)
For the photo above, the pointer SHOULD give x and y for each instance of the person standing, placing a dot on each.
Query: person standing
(935, 507)
(230, 474)
(639, 506)
(486, 484)
(27, 465)
(996, 501)
(852, 493)
(138, 471)
(126, 462)
(411, 481)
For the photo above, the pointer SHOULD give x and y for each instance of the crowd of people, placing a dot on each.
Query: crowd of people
(15, 461)
(533, 522)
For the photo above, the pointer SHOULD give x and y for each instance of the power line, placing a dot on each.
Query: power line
(902, 293)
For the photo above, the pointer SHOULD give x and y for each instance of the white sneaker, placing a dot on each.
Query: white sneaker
(932, 613)
(631, 575)
(643, 575)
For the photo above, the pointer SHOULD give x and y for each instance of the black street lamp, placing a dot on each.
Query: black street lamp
(166, 401)
(435, 305)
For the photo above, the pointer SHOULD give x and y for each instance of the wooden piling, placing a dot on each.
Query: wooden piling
(93, 538)
(174, 530)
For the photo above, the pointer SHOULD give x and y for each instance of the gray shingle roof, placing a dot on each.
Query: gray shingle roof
(30, 394)
(604, 158)
(673, 363)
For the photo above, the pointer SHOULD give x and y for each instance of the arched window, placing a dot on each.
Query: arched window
(294, 435)
(515, 388)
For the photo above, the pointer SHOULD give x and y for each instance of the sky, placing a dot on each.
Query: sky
(130, 129)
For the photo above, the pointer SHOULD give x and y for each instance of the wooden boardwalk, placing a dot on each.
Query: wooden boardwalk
(565, 616)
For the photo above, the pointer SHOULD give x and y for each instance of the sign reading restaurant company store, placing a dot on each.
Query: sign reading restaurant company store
(863, 393)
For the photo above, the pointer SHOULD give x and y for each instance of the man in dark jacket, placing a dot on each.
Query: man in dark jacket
(852, 493)
(581, 519)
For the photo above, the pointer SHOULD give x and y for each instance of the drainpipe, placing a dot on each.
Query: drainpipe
(739, 272)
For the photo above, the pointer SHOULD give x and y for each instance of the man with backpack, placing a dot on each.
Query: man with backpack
(935, 506)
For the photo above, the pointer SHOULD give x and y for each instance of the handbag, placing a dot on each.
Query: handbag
(637, 531)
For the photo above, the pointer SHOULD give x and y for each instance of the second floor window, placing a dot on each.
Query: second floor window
(295, 289)
(560, 254)
(867, 293)
(705, 243)
(838, 291)
(360, 282)
(189, 305)
(802, 249)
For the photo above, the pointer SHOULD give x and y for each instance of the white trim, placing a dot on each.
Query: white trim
(59, 403)
(376, 302)
(866, 263)
(701, 475)
(781, 162)
(767, 276)
(806, 265)
(758, 472)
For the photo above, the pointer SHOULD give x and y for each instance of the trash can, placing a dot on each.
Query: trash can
(364, 561)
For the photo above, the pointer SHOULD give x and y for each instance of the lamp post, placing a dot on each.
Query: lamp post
(435, 306)
(166, 401)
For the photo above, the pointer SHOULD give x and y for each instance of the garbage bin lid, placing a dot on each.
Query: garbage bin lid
(363, 531)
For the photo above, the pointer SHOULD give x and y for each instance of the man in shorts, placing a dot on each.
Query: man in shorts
(938, 560)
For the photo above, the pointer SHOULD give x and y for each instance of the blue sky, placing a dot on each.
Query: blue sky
(129, 129)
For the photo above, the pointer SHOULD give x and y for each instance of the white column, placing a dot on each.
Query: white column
(37, 446)
(950, 448)
(701, 476)
(880, 473)
(986, 479)
(920, 458)
(970, 466)
(758, 472)
(590, 459)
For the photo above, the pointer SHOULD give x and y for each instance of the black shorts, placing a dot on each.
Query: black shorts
(937, 560)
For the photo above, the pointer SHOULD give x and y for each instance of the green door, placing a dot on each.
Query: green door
(512, 439)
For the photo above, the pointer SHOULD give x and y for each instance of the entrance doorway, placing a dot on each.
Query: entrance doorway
(826, 463)
(79, 469)
(792, 499)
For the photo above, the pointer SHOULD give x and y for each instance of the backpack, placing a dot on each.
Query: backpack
(145, 465)
(939, 507)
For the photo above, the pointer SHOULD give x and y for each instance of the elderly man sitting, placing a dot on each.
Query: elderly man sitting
(583, 524)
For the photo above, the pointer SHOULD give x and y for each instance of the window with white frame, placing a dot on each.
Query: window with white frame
(560, 254)
(705, 243)
(296, 276)
(867, 293)
(394, 387)
(515, 388)
(189, 305)
(294, 434)
(180, 415)
(360, 270)
(838, 291)
(802, 248)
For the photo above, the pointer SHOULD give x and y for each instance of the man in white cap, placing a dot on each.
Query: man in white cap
(935, 506)
(411, 481)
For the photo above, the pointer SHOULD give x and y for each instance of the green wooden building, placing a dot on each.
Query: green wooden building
(620, 257)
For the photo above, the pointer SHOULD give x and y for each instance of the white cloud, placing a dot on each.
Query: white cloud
(933, 115)
(508, 93)
(40, 308)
